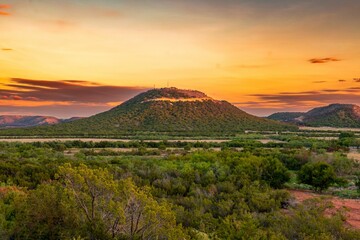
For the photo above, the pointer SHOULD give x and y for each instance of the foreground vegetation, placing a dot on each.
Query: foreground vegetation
(187, 192)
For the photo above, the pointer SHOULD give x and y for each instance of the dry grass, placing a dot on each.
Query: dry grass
(332, 129)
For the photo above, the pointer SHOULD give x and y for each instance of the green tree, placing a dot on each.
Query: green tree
(114, 209)
(320, 175)
(274, 172)
(46, 213)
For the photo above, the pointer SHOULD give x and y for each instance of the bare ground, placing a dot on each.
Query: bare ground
(352, 205)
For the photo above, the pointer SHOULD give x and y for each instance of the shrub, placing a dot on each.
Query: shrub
(319, 175)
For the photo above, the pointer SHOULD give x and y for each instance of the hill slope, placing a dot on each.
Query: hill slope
(18, 121)
(165, 110)
(285, 116)
(333, 115)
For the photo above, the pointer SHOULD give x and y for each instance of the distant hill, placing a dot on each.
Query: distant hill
(164, 110)
(286, 116)
(333, 115)
(18, 121)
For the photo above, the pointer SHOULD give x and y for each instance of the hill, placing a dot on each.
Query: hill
(285, 116)
(164, 110)
(333, 115)
(19, 121)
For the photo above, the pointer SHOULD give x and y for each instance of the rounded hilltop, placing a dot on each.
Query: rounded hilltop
(174, 92)
(171, 94)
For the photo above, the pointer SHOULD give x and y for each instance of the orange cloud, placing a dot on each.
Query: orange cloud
(16, 97)
(63, 23)
(4, 6)
(323, 60)
(29, 103)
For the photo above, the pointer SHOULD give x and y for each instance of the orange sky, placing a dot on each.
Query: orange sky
(264, 56)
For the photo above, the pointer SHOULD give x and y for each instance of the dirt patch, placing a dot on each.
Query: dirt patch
(352, 205)
(354, 154)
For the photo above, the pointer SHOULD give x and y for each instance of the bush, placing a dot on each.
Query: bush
(319, 175)
(357, 181)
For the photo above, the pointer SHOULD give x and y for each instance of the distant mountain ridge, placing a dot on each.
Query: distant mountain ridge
(165, 110)
(333, 115)
(20, 121)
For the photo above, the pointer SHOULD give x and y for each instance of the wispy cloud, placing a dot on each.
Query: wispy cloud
(324, 60)
(307, 98)
(64, 98)
(3, 11)
(73, 91)
(7, 49)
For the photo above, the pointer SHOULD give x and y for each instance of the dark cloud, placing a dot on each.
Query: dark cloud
(299, 99)
(341, 80)
(323, 60)
(356, 79)
(7, 49)
(67, 91)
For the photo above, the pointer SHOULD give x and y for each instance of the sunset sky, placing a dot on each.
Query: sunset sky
(80, 57)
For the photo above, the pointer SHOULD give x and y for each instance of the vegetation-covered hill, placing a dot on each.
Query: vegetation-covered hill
(333, 115)
(285, 116)
(16, 121)
(163, 110)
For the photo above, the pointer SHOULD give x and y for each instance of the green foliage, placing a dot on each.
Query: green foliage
(208, 194)
(46, 213)
(275, 173)
(117, 209)
(333, 115)
(320, 175)
(357, 181)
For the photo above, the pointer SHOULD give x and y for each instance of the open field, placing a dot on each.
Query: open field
(330, 129)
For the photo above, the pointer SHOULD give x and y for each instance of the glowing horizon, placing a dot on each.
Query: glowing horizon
(262, 56)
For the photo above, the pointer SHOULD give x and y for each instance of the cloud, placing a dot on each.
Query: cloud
(63, 23)
(57, 110)
(341, 80)
(73, 91)
(4, 6)
(319, 81)
(356, 79)
(7, 49)
(323, 60)
(303, 99)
